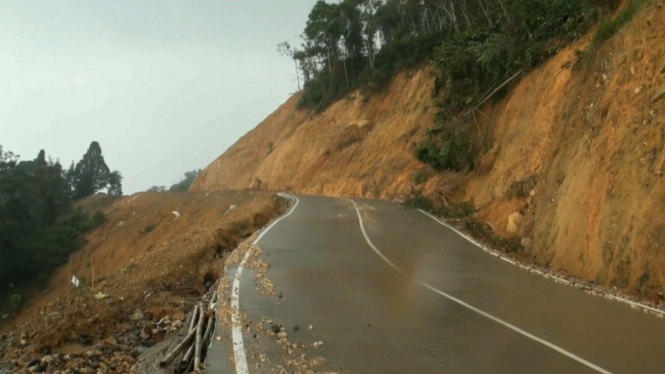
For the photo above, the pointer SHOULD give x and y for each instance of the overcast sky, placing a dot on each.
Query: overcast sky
(165, 86)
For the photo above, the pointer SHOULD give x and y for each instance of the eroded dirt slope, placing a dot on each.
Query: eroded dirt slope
(575, 157)
(355, 147)
(150, 265)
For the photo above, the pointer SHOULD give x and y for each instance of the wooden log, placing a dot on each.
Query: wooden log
(190, 366)
(199, 332)
(213, 298)
(169, 358)
(188, 355)
(186, 361)
(208, 331)
(192, 323)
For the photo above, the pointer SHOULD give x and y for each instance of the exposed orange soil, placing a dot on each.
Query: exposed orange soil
(145, 258)
(591, 141)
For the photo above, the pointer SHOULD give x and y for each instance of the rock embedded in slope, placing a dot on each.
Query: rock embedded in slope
(514, 220)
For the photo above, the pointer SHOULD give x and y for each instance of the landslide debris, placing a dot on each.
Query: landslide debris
(152, 268)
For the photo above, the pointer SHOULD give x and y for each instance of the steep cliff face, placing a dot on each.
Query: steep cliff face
(574, 156)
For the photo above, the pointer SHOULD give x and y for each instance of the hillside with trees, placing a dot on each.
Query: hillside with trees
(473, 46)
(563, 163)
(38, 226)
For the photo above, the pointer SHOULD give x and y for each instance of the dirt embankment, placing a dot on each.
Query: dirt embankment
(355, 147)
(575, 157)
(150, 266)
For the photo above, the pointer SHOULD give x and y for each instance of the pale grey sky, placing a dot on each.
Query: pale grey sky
(165, 86)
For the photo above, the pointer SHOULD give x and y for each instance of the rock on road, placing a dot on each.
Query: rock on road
(397, 292)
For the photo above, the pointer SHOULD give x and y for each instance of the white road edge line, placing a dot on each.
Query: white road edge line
(236, 329)
(494, 253)
(479, 311)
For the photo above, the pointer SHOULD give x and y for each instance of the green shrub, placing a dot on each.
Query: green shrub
(420, 178)
(419, 201)
(466, 209)
(131, 266)
(455, 211)
(450, 151)
(610, 27)
(97, 219)
(470, 65)
(473, 50)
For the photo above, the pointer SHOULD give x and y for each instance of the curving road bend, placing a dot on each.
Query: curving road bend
(391, 290)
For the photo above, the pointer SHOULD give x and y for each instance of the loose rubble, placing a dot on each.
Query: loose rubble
(295, 357)
(115, 354)
(140, 309)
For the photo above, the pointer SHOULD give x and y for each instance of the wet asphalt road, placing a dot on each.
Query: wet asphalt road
(451, 308)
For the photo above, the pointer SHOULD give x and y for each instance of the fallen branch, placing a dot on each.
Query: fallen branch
(213, 299)
(192, 323)
(493, 92)
(208, 331)
(188, 356)
(191, 360)
(169, 358)
(199, 331)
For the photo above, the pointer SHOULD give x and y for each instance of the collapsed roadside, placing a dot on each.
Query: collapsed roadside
(156, 256)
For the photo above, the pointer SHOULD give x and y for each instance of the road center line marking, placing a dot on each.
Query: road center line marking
(479, 311)
(236, 329)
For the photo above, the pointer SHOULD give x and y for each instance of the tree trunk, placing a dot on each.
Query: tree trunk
(329, 64)
(485, 12)
(463, 7)
(427, 22)
(452, 16)
(371, 38)
(504, 10)
(372, 58)
(441, 18)
(346, 74)
(297, 73)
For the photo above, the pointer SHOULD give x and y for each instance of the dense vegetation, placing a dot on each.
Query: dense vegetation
(610, 27)
(38, 226)
(182, 186)
(474, 46)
